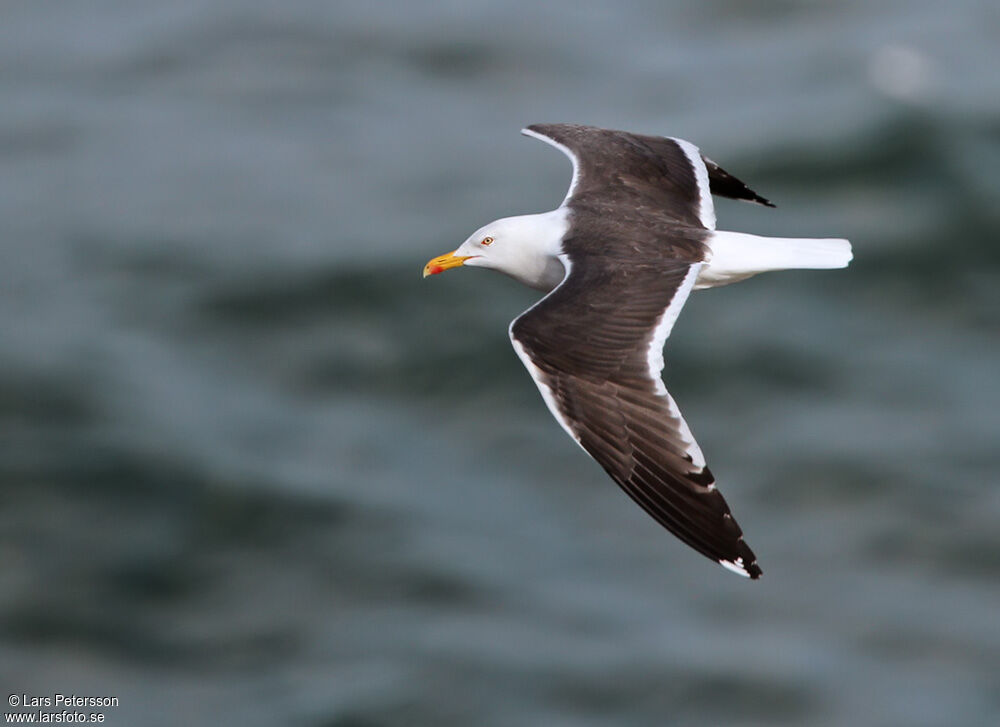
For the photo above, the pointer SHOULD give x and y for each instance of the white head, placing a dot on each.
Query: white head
(527, 248)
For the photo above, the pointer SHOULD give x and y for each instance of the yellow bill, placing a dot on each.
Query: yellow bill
(444, 262)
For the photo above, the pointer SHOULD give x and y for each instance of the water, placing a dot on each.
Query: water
(256, 471)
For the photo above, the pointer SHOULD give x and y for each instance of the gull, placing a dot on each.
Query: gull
(617, 261)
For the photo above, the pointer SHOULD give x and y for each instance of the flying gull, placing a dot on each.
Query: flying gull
(618, 259)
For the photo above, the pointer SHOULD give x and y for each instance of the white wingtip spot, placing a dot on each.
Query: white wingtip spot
(736, 566)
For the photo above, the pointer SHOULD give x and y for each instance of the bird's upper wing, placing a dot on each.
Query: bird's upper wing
(594, 347)
(663, 175)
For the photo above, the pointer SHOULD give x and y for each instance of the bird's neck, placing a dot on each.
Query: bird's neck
(537, 263)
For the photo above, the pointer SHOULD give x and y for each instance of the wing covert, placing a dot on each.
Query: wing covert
(663, 176)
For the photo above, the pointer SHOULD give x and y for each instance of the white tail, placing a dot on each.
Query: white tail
(737, 256)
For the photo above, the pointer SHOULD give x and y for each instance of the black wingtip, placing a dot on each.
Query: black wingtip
(724, 184)
(741, 568)
(745, 562)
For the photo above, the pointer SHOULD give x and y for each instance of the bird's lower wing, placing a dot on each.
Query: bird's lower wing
(594, 348)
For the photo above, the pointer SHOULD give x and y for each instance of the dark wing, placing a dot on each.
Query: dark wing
(669, 176)
(661, 175)
(594, 347)
(724, 184)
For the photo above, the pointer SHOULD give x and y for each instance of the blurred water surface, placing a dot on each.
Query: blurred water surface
(255, 471)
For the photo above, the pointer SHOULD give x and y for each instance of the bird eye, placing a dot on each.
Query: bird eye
(487, 241)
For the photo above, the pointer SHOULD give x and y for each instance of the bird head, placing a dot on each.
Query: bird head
(525, 248)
